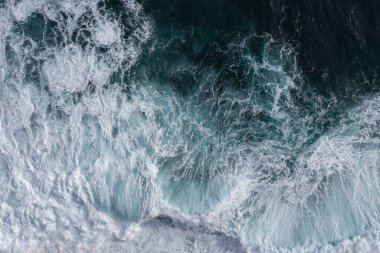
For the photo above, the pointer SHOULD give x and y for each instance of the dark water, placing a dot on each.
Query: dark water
(338, 38)
(189, 126)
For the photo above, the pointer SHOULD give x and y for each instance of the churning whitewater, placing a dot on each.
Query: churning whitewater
(125, 129)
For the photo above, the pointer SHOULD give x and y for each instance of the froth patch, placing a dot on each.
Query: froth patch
(153, 170)
(72, 69)
(23, 9)
(132, 231)
(106, 33)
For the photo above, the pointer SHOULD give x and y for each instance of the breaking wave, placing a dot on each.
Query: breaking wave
(121, 134)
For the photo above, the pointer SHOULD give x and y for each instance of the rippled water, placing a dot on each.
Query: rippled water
(176, 127)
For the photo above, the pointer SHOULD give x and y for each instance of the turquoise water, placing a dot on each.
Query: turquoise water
(161, 126)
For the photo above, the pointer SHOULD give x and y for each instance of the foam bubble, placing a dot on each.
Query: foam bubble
(153, 170)
(106, 33)
(23, 9)
(132, 231)
(72, 70)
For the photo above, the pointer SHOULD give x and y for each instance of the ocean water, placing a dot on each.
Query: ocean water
(189, 126)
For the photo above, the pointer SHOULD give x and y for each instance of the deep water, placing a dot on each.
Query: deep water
(189, 126)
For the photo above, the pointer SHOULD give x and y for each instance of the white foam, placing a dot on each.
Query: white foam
(71, 173)
(107, 33)
(331, 196)
(153, 170)
(71, 70)
(44, 160)
(132, 231)
(23, 9)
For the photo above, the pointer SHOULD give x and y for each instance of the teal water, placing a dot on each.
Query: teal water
(160, 126)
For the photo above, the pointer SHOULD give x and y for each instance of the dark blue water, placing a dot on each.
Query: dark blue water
(189, 126)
